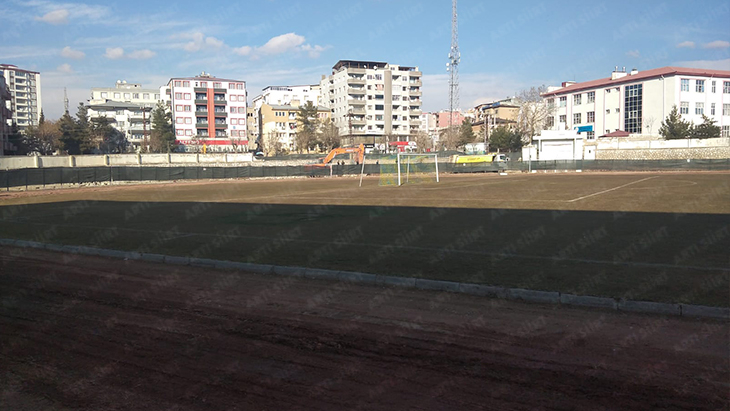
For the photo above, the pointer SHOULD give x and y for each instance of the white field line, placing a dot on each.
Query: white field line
(432, 250)
(611, 189)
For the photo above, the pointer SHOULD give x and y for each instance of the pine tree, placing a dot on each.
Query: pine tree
(68, 128)
(504, 139)
(307, 125)
(707, 129)
(162, 136)
(673, 127)
(466, 133)
(83, 130)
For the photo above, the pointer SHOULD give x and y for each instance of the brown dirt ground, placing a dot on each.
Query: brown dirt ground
(93, 333)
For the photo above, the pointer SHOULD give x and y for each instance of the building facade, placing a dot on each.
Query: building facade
(129, 108)
(6, 116)
(288, 96)
(279, 125)
(373, 102)
(637, 102)
(25, 95)
(208, 113)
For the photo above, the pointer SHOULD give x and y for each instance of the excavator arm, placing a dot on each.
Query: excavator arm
(359, 151)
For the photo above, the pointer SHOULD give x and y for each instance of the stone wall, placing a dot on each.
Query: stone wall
(663, 153)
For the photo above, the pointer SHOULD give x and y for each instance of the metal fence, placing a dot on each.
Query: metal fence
(28, 177)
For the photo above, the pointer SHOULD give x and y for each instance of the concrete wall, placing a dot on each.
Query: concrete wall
(632, 149)
(16, 162)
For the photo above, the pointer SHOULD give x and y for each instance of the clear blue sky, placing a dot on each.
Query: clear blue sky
(506, 46)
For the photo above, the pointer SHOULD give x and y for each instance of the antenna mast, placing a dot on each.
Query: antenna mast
(453, 65)
(65, 100)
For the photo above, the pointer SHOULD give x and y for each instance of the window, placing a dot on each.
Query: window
(135, 95)
(188, 120)
(234, 121)
(117, 96)
(204, 84)
(188, 132)
(241, 110)
(146, 96)
(233, 97)
(157, 96)
(592, 97)
(726, 109)
(217, 85)
(714, 89)
(577, 99)
(127, 96)
(590, 135)
(179, 132)
(231, 86)
(186, 83)
(563, 101)
(188, 108)
(726, 131)
(120, 112)
(712, 109)
(177, 83)
(379, 107)
(179, 107)
(700, 86)
(103, 94)
(551, 102)
(179, 120)
(178, 96)
(699, 108)
(685, 84)
(187, 96)
(576, 118)
(551, 121)
(726, 87)
(233, 109)
(591, 117)
(562, 118)
(633, 104)
(684, 107)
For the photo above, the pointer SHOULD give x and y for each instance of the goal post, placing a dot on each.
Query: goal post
(417, 168)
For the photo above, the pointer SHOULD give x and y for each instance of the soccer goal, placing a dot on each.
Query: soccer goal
(417, 168)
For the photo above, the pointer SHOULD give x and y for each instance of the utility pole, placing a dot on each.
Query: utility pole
(144, 129)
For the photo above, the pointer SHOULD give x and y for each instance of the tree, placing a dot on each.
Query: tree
(673, 127)
(533, 113)
(449, 138)
(423, 141)
(307, 125)
(83, 130)
(504, 139)
(707, 129)
(15, 140)
(105, 137)
(466, 133)
(68, 128)
(329, 135)
(162, 136)
(272, 145)
(43, 139)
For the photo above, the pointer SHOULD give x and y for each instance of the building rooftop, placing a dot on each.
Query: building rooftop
(641, 75)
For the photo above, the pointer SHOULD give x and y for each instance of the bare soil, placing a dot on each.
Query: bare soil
(91, 333)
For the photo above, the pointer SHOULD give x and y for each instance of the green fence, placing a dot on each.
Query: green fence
(80, 175)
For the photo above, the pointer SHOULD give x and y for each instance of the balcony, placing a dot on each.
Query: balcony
(358, 110)
(201, 125)
(356, 90)
(354, 80)
(356, 102)
(416, 110)
(417, 83)
(414, 122)
(201, 113)
(358, 122)
(201, 101)
(417, 93)
(221, 125)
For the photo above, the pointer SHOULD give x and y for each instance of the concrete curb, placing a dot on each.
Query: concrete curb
(520, 294)
(649, 307)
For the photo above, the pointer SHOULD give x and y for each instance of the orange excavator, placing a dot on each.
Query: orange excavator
(359, 152)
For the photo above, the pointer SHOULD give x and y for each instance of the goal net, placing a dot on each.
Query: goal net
(407, 168)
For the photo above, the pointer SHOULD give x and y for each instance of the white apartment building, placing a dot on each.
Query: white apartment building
(6, 117)
(637, 102)
(373, 101)
(208, 113)
(288, 96)
(25, 95)
(128, 106)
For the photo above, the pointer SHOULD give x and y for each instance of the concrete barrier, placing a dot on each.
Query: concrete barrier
(7, 241)
(409, 282)
(483, 290)
(28, 244)
(124, 159)
(152, 258)
(649, 307)
(588, 301)
(257, 268)
(15, 162)
(180, 158)
(54, 161)
(90, 161)
(689, 310)
(112, 253)
(54, 247)
(202, 262)
(289, 271)
(534, 296)
(437, 285)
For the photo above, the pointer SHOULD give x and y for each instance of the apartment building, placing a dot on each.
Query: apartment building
(129, 107)
(6, 117)
(25, 95)
(208, 113)
(288, 96)
(278, 124)
(373, 102)
(637, 102)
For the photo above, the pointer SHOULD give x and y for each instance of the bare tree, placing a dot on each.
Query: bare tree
(423, 141)
(272, 145)
(649, 123)
(329, 135)
(534, 112)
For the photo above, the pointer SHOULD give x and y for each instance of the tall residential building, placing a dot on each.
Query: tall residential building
(637, 102)
(6, 117)
(208, 113)
(129, 107)
(25, 95)
(373, 102)
(288, 96)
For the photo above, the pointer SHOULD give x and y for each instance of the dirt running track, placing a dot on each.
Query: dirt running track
(100, 334)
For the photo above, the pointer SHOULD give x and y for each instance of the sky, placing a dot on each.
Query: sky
(506, 46)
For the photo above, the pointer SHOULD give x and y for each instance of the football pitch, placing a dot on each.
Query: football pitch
(643, 236)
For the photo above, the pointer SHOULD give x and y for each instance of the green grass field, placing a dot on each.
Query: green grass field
(649, 236)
